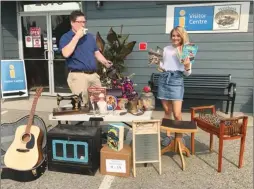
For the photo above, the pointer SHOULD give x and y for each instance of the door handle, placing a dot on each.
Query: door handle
(45, 56)
(53, 55)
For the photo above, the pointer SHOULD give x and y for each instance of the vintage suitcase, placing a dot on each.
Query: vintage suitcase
(7, 136)
(74, 149)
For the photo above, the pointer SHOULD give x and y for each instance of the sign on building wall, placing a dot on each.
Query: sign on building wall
(209, 17)
(13, 79)
(51, 6)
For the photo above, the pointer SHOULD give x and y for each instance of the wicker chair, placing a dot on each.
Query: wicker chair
(224, 128)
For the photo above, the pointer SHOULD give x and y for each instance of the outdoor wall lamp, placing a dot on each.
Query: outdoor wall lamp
(98, 4)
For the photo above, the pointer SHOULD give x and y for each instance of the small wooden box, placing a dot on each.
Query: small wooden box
(116, 163)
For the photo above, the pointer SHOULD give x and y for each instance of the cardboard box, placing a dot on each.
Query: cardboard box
(116, 163)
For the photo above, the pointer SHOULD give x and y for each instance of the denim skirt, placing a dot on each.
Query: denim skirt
(171, 85)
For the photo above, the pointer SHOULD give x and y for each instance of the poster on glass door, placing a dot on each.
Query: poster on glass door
(37, 42)
(35, 31)
(28, 41)
(35, 34)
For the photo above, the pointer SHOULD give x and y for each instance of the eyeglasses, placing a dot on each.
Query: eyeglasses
(81, 22)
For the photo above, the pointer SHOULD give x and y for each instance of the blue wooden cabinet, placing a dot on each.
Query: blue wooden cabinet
(74, 149)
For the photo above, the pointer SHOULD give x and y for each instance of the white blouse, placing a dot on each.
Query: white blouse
(171, 62)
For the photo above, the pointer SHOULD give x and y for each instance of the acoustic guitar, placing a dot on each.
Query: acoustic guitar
(25, 152)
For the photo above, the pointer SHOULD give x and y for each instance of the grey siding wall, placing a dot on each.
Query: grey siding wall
(221, 53)
(9, 30)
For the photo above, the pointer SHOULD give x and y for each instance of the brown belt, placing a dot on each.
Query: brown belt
(80, 71)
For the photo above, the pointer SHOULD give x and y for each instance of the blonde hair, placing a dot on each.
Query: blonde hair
(182, 32)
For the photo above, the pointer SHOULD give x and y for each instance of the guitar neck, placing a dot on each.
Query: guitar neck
(31, 115)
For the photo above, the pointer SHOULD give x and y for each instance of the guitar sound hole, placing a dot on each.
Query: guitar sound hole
(26, 137)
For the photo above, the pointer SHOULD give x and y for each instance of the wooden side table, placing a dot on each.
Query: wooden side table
(179, 127)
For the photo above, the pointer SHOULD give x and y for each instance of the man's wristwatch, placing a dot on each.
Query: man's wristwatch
(187, 70)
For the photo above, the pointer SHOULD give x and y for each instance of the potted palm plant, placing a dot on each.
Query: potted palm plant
(116, 50)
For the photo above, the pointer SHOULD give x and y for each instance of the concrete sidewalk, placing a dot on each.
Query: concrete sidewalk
(46, 104)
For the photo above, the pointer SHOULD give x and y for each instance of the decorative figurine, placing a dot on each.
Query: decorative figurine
(102, 104)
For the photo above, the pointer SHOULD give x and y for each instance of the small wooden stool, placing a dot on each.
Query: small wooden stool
(179, 127)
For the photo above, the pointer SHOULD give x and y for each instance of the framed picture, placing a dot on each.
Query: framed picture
(121, 104)
(111, 102)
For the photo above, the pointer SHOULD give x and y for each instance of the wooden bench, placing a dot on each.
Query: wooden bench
(205, 87)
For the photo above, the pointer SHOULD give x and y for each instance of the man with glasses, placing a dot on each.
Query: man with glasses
(80, 50)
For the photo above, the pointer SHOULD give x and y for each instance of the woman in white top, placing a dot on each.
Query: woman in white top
(171, 83)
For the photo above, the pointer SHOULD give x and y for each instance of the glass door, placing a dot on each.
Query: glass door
(45, 66)
(41, 25)
(34, 35)
(59, 25)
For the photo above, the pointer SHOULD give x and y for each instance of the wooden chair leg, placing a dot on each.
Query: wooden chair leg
(240, 164)
(211, 142)
(192, 143)
(220, 154)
